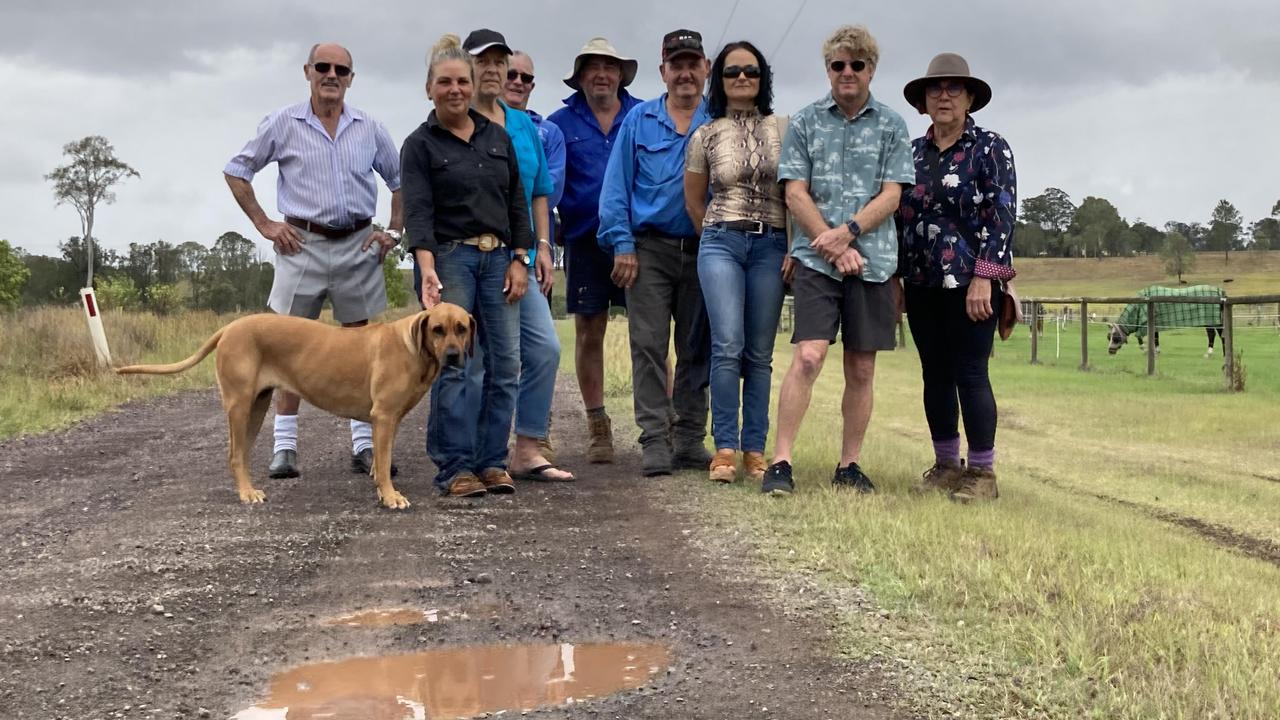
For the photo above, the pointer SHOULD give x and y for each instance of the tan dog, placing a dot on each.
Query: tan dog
(376, 373)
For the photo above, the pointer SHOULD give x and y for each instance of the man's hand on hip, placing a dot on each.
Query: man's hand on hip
(283, 237)
(385, 243)
(625, 269)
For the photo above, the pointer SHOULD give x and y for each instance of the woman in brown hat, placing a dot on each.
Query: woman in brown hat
(956, 245)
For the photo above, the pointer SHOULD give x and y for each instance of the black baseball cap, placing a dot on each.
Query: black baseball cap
(680, 42)
(483, 39)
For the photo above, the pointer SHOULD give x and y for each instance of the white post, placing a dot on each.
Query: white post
(93, 314)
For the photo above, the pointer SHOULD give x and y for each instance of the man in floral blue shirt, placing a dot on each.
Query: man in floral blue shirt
(844, 160)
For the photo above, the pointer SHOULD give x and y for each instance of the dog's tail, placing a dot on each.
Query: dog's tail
(177, 367)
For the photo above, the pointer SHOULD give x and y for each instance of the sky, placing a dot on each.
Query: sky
(1161, 107)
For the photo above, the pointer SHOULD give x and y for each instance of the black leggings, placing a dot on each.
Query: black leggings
(953, 360)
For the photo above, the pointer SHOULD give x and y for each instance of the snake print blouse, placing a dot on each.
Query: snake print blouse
(741, 152)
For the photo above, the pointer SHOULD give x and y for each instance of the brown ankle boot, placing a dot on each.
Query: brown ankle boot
(944, 478)
(753, 466)
(724, 466)
(545, 447)
(600, 446)
(976, 485)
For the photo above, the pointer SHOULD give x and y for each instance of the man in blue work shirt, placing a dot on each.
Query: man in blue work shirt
(590, 121)
(644, 225)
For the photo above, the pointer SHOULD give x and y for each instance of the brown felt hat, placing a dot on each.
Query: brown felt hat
(948, 66)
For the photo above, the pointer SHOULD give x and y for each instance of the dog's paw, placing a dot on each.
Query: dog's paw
(252, 496)
(394, 500)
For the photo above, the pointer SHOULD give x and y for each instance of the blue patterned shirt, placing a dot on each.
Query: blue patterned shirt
(957, 222)
(327, 180)
(846, 161)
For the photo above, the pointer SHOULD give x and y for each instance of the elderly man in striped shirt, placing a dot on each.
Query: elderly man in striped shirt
(327, 153)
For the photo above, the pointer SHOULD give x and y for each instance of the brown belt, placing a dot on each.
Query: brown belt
(332, 233)
(487, 242)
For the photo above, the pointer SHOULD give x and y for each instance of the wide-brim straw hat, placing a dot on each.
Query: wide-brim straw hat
(601, 47)
(948, 66)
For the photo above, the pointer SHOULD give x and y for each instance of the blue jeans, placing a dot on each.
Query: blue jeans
(539, 361)
(741, 277)
(474, 280)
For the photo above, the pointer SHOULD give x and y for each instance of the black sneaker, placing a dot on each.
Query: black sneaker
(777, 480)
(852, 477)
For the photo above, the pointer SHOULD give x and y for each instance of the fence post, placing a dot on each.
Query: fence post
(1035, 334)
(1151, 338)
(1228, 343)
(1084, 335)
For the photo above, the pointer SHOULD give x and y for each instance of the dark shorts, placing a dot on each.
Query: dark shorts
(588, 287)
(863, 312)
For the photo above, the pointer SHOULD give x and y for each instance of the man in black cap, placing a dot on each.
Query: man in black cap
(644, 226)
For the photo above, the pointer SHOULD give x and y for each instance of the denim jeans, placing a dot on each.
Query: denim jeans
(539, 361)
(741, 276)
(474, 280)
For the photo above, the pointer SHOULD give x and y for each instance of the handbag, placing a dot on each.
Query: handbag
(1010, 311)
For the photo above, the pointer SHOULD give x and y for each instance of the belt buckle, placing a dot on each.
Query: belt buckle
(759, 228)
(487, 243)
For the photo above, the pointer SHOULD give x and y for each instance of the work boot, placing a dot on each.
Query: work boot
(464, 484)
(976, 484)
(724, 466)
(655, 458)
(691, 455)
(600, 446)
(753, 466)
(497, 481)
(945, 478)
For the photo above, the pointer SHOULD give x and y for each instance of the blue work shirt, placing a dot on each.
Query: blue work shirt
(534, 176)
(644, 183)
(553, 148)
(587, 149)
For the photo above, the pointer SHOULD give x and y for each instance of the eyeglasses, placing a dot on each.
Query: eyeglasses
(340, 70)
(953, 88)
(732, 71)
(525, 78)
(838, 66)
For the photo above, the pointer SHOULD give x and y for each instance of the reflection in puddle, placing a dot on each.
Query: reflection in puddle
(460, 682)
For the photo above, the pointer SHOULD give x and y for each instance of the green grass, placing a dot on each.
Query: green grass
(1070, 596)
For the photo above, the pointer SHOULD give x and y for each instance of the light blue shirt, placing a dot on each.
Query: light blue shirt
(327, 180)
(845, 161)
(644, 182)
(535, 179)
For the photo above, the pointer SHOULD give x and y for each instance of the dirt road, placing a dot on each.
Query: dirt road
(136, 586)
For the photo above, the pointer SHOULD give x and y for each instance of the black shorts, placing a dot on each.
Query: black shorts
(863, 312)
(589, 289)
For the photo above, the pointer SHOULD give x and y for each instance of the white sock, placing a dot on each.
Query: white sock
(286, 433)
(361, 437)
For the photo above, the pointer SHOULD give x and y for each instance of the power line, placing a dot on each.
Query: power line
(720, 43)
(792, 24)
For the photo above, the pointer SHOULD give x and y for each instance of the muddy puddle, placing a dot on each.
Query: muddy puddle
(458, 682)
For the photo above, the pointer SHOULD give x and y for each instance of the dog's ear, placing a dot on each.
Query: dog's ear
(420, 328)
(471, 338)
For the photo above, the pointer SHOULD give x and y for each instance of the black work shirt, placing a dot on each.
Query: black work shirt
(454, 189)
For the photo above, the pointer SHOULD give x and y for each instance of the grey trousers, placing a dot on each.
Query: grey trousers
(667, 288)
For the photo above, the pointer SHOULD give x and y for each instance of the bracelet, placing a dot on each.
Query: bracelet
(544, 240)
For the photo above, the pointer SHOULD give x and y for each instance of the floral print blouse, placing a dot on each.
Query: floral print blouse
(957, 221)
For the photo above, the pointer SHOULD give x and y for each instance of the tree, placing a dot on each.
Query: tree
(1147, 240)
(1266, 234)
(1052, 211)
(86, 182)
(1095, 218)
(1178, 256)
(1194, 232)
(1031, 239)
(13, 276)
(1275, 209)
(1224, 229)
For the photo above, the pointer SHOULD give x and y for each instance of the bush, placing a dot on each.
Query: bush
(118, 293)
(164, 299)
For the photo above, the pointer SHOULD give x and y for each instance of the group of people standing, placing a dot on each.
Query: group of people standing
(698, 210)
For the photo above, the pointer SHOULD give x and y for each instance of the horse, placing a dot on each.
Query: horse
(1133, 319)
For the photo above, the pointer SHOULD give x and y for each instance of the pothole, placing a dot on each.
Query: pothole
(458, 682)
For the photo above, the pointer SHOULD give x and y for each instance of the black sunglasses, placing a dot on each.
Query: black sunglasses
(837, 66)
(952, 87)
(340, 70)
(732, 71)
(525, 78)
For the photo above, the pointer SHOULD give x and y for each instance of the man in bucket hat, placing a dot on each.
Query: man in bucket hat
(645, 227)
(590, 120)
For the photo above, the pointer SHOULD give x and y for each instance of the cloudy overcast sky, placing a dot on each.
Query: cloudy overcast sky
(1162, 107)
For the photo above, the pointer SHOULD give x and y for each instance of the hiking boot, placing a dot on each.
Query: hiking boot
(777, 480)
(724, 466)
(464, 484)
(753, 466)
(600, 446)
(852, 477)
(496, 481)
(692, 455)
(976, 484)
(655, 458)
(945, 478)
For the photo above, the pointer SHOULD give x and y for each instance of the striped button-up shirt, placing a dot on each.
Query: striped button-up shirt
(327, 180)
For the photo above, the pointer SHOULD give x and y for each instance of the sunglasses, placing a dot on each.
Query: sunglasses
(525, 78)
(838, 66)
(953, 89)
(751, 71)
(340, 70)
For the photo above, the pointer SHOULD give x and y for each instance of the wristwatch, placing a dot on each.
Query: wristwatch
(855, 229)
(394, 234)
(522, 255)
